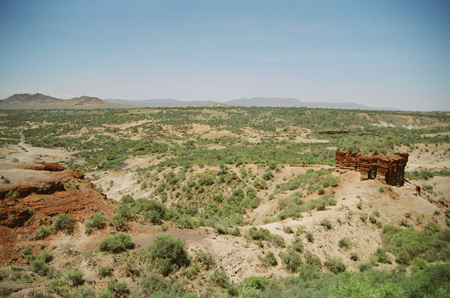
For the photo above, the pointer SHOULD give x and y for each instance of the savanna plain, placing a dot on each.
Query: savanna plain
(221, 202)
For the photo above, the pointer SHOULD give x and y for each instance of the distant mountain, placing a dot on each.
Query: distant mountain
(264, 102)
(147, 102)
(30, 98)
(41, 101)
(164, 102)
(293, 102)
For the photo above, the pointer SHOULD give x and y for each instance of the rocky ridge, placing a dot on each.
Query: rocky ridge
(390, 169)
(31, 194)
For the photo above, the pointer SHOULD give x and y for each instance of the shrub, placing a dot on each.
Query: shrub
(312, 259)
(220, 278)
(83, 292)
(403, 257)
(365, 266)
(381, 256)
(127, 199)
(41, 233)
(354, 256)
(218, 198)
(270, 259)
(119, 288)
(167, 254)
(297, 245)
(62, 222)
(39, 267)
(345, 243)
(151, 283)
(46, 257)
(381, 189)
(326, 223)
(254, 282)
(75, 277)
(260, 184)
(236, 232)
(96, 222)
(292, 260)
(264, 234)
(363, 216)
(206, 259)
(310, 236)
(120, 223)
(267, 175)
(26, 252)
(288, 230)
(335, 265)
(59, 288)
(117, 243)
(105, 271)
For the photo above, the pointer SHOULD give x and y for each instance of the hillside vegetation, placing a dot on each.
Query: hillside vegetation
(235, 201)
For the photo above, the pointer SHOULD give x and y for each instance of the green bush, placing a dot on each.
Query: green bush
(117, 243)
(297, 245)
(365, 266)
(267, 175)
(83, 292)
(63, 222)
(105, 271)
(260, 184)
(381, 256)
(345, 243)
(46, 257)
(75, 277)
(41, 233)
(270, 259)
(354, 256)
(310, 237)
(326, 223)
(206, 259)
(167, 254)
(40, 267)
(264, 234)
(118, 288)
(254, 282)
(58, 287)
(292, 260)
(236, 232)
(151, 283)
(312, 259)
(96, 222)
(335, 265)
(220, 278)
(120, 223)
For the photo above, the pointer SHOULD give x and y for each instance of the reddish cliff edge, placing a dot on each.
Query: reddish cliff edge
(31, 194)
(390, 169)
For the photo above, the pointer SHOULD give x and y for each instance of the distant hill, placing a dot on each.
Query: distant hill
(147, 102)
(41, 101)
(164, 102)
(293, 102)
(30, 98)
(247, 102)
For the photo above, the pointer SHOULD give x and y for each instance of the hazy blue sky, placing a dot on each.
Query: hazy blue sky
(380, 53)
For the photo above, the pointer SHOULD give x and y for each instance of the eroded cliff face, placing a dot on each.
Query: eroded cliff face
(390, 169)
(31, 194)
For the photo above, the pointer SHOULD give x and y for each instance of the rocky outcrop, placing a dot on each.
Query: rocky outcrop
(391, 169)
(31, 194)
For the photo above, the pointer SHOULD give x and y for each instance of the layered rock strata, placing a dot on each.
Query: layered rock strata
(390, 169)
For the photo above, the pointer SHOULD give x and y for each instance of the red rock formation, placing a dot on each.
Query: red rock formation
(32, 194)
(388, 168)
